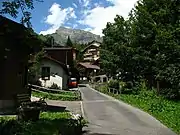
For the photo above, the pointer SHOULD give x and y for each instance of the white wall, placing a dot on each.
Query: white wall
(60, 78)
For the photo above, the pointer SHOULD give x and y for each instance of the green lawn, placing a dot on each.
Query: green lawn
(168, 112)
(49, 124)
(64, 96)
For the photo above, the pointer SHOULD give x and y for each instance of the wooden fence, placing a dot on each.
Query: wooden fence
(110, 90)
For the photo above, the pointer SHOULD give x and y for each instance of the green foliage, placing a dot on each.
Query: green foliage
(48, 40)
(69, 42)
(63, 96)
(54, 86)
(145, 46)
(34, 69)
(166, 111)
(49, 124)
(13, 7)
(103, 88)
(114, 84)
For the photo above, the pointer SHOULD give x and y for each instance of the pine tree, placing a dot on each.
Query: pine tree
(69, 42)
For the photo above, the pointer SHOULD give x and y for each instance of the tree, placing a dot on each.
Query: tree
(13, 7)
(146, 46)
(115, 50)
(69, 42)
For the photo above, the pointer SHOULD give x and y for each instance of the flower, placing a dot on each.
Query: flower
(75, 116)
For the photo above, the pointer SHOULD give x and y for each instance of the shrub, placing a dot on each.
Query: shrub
(64, 96)
(114, 84)
(54, 86)
(48, 124)
(74, 125)
(170, 93)
(31, 110)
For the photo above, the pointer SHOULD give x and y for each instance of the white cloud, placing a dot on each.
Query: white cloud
(67, 27)
(86, 3)
(57, 17)
(98, 17)
(75, 5)
(88, 29)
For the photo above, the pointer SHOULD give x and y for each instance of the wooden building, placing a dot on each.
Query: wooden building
(16, 43)
(65, 55)
(91, 52)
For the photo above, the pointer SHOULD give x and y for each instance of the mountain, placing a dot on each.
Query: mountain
(76, 35)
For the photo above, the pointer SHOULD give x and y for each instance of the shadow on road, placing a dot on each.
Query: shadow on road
(81, 85)
(88, 133)
(53, 108)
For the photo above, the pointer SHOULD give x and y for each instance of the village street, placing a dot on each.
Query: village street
(108, 116)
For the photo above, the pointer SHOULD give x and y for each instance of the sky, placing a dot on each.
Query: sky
(89, 15)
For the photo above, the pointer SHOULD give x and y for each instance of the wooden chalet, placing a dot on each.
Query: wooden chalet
(16, 43)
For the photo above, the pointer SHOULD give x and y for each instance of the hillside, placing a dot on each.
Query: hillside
(79, 36)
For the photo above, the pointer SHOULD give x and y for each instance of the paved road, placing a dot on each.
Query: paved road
(111, 117)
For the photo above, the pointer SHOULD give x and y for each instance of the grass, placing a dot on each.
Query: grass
(166, 111)
(63, 96)
(49, 124)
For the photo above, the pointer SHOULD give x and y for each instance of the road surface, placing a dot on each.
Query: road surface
(108, 116)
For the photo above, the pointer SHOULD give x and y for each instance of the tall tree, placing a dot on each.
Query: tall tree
(146, 45)
(12, 7)
(69, 42)
(115, 48)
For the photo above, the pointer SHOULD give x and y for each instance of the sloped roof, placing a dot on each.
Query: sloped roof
(89, 66)
(93, 43)
(60, 48)
(58, 62)
(25, 37)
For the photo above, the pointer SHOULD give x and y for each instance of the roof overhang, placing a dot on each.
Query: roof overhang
(89, 66)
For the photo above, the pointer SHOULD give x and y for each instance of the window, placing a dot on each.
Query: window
(45, 73)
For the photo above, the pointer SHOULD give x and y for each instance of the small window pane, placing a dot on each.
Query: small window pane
(45, 73)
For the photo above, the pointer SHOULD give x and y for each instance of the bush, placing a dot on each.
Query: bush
(64, 96)
(114, 84)
(54, 86)
(170, 93)
(103, 88)
(48, 124)
(31, 110)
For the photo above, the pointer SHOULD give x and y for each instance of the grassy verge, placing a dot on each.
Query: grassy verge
(166, 111)
(64, 96)
(49, 124)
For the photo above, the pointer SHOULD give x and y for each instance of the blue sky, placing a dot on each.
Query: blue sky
(89, 15)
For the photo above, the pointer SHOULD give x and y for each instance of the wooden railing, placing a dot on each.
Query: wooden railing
(110, 90)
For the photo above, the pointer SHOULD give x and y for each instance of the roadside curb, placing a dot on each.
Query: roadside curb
(81, 103)
(82, 109)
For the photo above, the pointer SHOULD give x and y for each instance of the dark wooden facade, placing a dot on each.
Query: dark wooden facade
(14, 55)
(65, 55)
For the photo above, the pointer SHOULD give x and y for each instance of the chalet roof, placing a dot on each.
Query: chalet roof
(93, 43)
(89, 66)
(58, 62)
(11, 30)
(59, 48)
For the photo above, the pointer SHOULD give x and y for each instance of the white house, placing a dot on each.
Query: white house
(53, 71)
